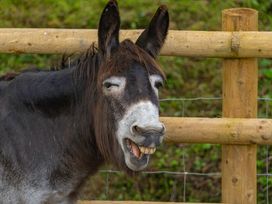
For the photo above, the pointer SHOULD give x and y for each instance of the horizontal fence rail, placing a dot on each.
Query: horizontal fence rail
(178, 43)
(218, 130)
(237, 135)
(134, 202)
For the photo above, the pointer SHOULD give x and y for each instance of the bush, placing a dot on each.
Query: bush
(187, 78)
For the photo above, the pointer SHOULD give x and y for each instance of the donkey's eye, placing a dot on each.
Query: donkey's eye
(109, 85)
(114, 85)
(158, 84)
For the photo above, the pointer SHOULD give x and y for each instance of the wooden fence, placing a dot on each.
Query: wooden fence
(239, 43)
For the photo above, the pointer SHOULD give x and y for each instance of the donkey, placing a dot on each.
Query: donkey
(58, 127)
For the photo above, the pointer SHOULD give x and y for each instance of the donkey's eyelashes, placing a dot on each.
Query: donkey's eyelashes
(109, 85)
(158, 84)
(156, 81)
(114, 85)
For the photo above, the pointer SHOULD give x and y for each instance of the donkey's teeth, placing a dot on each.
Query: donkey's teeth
(139, 151)
(153, 150)
(147, 150)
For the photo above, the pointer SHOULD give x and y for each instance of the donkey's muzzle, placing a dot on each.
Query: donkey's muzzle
(152, 134)
(158, 130)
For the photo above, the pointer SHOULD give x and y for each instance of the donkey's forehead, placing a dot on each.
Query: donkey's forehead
(136, 69)
(131, 69)
(129, 54)
(129, 59)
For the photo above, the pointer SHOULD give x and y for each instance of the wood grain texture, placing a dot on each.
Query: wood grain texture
(240, 82)
(133, 202)
(178, 43)
(218, 130)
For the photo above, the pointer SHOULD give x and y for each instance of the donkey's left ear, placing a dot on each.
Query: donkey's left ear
(153, 37)
(108, 31)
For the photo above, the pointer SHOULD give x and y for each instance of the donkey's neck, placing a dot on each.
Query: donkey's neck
(50, 93)
(54, 102)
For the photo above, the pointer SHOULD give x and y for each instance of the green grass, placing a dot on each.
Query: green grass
(187, 77)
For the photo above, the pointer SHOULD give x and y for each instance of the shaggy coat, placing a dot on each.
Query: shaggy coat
(58, 127)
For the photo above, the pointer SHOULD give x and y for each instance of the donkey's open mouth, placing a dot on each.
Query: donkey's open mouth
(138, 150)
(139, 133)
(136, 156)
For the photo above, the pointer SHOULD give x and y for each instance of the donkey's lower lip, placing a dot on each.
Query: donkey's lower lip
(134, 158)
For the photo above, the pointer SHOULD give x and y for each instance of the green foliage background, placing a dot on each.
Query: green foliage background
(186, 78)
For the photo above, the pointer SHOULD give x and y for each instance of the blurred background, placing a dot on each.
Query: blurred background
(177, 172)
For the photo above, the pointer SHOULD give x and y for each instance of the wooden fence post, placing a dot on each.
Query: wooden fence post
(240, 81)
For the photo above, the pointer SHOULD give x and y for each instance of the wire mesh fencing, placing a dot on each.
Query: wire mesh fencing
(182, 172)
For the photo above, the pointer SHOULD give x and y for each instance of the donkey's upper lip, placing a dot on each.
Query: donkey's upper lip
(140, 144)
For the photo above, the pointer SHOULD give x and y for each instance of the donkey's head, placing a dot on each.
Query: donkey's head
(128, 82)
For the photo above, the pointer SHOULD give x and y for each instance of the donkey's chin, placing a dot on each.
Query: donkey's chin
(136, 156)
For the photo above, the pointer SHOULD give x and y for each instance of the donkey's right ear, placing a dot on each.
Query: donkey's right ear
(108, 31)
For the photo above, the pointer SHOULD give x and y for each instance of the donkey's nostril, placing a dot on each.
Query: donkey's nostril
(162, 129)
(137, 130)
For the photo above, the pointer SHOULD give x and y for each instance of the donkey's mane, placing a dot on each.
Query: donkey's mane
(66, 62)
(12, 75)
(88, 60)
(129, 53)
(87, 63)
